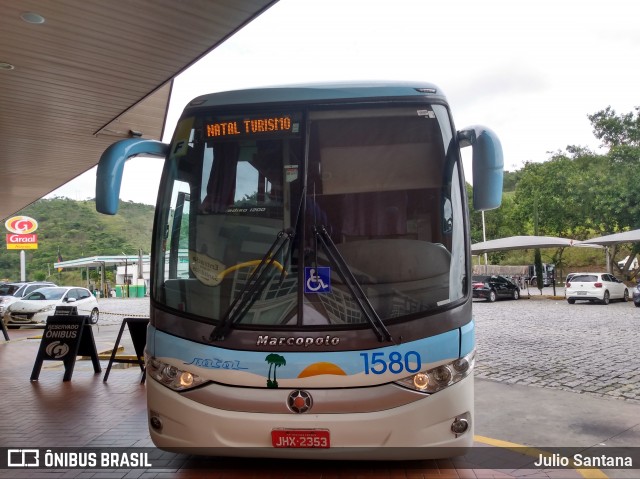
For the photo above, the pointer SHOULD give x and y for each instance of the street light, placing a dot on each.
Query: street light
(126, 282)
(484, 238)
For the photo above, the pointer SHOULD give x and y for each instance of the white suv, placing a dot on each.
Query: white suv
(12, 292)
(601, 287)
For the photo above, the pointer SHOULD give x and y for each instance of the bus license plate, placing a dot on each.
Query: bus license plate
(300, 438)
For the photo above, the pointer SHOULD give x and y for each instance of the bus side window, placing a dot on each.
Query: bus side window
(447, 220)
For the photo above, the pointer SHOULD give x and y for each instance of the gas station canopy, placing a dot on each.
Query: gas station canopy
(97, 261)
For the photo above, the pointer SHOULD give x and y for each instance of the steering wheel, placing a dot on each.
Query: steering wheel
(253, 262)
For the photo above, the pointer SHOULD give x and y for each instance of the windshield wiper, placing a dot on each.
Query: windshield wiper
(253, 287)
(357, 293)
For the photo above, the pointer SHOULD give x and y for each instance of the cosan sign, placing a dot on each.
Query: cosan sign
(16, 241)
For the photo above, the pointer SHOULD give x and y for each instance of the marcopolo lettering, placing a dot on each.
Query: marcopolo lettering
(267, 340)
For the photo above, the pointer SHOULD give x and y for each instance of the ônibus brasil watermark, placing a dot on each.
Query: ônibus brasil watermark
(50, 458)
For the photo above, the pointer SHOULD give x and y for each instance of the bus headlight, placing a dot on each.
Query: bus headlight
(171, 376)
(443, 376)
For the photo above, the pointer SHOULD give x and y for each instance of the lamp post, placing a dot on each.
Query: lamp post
(125, 292)
(484, 238)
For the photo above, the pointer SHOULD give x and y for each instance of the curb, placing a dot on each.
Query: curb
(125, 314)
(544, 296)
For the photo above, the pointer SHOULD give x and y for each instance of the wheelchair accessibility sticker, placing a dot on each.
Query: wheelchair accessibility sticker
(317, 280)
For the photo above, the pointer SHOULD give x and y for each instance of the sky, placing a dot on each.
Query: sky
(532, 71)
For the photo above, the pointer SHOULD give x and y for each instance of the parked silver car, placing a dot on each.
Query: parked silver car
(636, 295)
(42, 303)
(12, 292)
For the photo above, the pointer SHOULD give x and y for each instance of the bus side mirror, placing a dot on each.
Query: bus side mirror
(488, 163)
(111, 166)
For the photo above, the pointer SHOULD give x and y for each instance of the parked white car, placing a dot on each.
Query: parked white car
(12, 292)
(601, 287)
(39, 305)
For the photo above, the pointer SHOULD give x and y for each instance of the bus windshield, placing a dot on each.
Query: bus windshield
(311, 218)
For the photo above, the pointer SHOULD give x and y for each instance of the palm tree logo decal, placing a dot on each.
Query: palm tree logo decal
(275, 361)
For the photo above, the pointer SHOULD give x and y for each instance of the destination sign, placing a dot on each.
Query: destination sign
(252, 126)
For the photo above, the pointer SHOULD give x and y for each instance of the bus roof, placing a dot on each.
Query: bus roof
(319, 92)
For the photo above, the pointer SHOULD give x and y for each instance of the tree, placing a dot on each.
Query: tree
(274, 361)
(616, 130)
(619, 197)
(78, 231)
(578, 193)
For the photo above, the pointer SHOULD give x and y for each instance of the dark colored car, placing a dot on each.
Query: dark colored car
(494, 287)
(636, 295)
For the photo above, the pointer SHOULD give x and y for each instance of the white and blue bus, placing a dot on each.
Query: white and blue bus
(326, 307)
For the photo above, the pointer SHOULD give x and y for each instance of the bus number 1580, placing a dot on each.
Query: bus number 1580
(395, 363)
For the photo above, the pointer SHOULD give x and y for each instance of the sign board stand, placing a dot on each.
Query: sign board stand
(64, 338)
(4, 330)
(138, 331)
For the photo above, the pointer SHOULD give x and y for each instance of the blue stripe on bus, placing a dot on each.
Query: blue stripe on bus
(366, 367)
(467, 338)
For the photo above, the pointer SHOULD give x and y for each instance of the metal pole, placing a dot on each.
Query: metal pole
(484, 238)
(23, 266)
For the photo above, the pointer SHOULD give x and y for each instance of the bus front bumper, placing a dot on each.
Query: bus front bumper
(419, 430)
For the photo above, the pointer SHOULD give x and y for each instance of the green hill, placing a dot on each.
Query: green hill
(77, 230)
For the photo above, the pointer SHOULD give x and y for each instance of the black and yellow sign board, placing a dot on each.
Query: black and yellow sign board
(4, 330)
(138, 330)
(64, 339)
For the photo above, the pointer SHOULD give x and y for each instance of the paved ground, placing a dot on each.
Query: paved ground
(553, 374)
(584, 348)
(112, 310)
